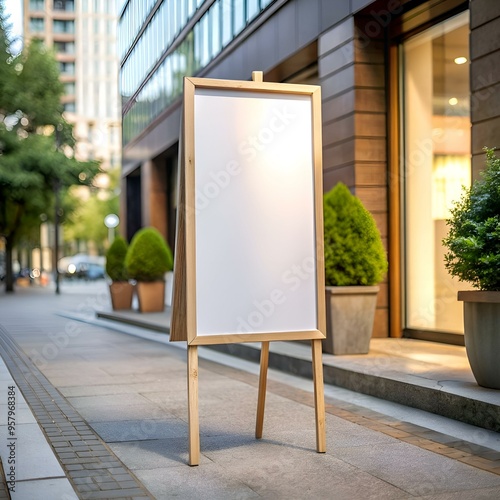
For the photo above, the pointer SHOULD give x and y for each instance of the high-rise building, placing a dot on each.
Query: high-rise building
(83, 36)
(409, 99)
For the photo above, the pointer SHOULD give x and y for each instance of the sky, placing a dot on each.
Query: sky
(13, 8)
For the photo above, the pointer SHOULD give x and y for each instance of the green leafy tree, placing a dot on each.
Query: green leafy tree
(7, 73)
(32, 167)
(86, 222)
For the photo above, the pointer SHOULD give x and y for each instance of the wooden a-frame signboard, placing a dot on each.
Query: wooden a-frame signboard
(249, 250)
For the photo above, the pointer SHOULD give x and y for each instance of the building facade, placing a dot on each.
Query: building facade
(409, 99)
(83, 36)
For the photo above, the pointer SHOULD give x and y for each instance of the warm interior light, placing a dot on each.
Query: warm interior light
(453, 101)
(460, 60)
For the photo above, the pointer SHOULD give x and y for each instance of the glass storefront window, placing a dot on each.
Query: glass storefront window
(187, 49)
(227, 31)
(224, 20)
(37, 5)
(172, 9)
(214, 15)
(65, 47)
(191, 7)
(205, 40)
(67, 68)
(64, 26)
(69, 88)
(64, 5)
(37, 24)
(197, 43)
(69, 107)
(436, 166)
(238, 16)
(252, 9)
(183, 13)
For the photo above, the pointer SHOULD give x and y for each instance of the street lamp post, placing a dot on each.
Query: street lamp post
(56, 236)
(57, 187)
(111, 221)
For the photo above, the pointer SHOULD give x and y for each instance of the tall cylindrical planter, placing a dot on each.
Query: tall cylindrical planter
(350, 314)
(482, 335)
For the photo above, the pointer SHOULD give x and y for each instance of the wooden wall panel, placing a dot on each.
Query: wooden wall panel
(338, 130)
(352, 74)
(370, 100)
(485, 79)
(486, 39)
(371, 174)
(154, 196)
(370, 125)
(338, 106)
(339, 154)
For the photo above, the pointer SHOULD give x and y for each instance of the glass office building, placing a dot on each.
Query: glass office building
(408, 102)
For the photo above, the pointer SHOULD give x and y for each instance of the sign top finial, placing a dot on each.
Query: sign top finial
(257, 76)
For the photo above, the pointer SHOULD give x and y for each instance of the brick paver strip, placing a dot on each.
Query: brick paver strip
(72, 440)
(475, 455)
(4, 493)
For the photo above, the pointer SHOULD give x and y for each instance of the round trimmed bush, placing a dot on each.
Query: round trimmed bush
(115, 260)
(148, 257)
(354, 253)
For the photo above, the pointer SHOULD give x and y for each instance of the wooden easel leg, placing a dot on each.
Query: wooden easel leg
(193, 420)
(319, 396)
(261, 402)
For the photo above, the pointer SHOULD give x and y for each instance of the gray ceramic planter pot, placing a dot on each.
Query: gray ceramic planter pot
(482, 335)
(350, 312)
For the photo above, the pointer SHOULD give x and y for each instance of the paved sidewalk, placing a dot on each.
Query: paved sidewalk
(112, 407)
(430, 376)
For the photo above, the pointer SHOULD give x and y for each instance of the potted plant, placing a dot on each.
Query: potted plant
(120, 289)
(355, 262)
(473, 255)
(148, 259)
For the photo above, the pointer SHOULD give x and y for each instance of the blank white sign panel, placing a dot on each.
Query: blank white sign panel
(255, 249)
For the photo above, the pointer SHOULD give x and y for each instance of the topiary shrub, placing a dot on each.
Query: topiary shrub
(115, 260)
(148, 257)
(474, 237)
(354, 254)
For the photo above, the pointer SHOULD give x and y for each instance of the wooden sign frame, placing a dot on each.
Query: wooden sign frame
(185, 274)
(184, 313)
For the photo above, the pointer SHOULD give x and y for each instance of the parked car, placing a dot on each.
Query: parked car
(82, 266)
